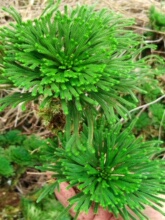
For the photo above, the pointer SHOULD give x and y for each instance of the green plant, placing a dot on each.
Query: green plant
(151, 118)
(75, 58)
(7, 149)
(13, 137)
(84, 64)
(156, 19)
(5, 167)
(119, 173)
(154, 118)
(48, 209)
(20, 152)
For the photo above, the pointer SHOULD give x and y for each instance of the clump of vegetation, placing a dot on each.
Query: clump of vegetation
(83, 65)
(118, 173)
(49, 209)
(82, 70)
(156, 19)
(151, 119)
(20, 153)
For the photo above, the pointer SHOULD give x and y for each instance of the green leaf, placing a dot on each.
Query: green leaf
(6, 168)
(14, 14)
(20, 155)
(47, 190)
(15, 99)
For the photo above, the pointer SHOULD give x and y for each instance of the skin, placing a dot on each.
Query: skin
(64, 194)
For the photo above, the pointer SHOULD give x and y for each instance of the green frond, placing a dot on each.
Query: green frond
(14, 13)
(51, 7)
(6, 168)
(47, 190)
(20, 155)
(15, 99)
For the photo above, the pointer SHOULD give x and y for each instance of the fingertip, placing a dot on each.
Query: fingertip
(86, 216)
(103, 214)
(113, 218)
(64, 194)
(153, 214)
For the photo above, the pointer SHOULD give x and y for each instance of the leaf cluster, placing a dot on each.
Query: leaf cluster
(157, 19)
(48, 209)
(118, 172)
(19, 151)
(151, 119)
(76, 57)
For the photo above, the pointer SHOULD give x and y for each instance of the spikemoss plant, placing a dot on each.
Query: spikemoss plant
(82, 58)
(119, 174)
(86, 61)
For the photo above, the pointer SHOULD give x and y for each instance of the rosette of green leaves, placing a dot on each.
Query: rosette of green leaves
(82, 57)
(120, 173)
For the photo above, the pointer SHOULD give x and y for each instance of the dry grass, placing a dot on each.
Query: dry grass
(137, 9)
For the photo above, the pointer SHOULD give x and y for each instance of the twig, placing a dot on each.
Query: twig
(19, 189)
(161, 124)
(147, 29)
(36, 173)
(154, 41)
(6, 86)
(143, 107)
(17, 114)
(148, 104)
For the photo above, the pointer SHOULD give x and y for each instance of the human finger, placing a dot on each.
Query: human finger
(152, 214)
(64, 194)
(103, 214)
